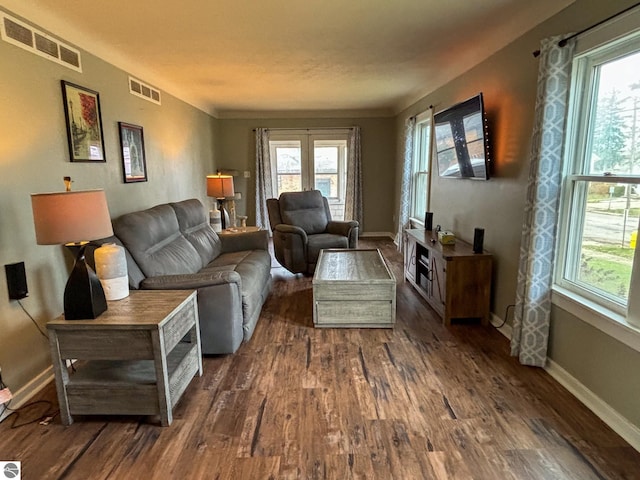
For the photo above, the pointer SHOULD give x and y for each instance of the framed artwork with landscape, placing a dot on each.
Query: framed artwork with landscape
(84, 123)
(134, 163)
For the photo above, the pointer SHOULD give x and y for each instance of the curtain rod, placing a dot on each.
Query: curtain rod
(564, 41)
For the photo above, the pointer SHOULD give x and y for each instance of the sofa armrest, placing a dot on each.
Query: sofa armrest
(242, 241)
(190, 281)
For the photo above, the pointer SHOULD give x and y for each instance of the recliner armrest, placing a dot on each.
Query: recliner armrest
(190, 280)
(292, 229)
(341, 228)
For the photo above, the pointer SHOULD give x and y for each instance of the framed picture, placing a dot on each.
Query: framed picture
(133, 161)
(84, 123)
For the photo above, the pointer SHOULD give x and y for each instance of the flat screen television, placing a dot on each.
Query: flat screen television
(462, 147)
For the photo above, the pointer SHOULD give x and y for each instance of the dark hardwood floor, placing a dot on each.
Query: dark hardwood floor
(420, 401)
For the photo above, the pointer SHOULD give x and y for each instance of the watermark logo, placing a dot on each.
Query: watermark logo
(10, 470)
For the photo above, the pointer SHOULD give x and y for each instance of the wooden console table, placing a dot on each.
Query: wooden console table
(455, 281)
(138, 357)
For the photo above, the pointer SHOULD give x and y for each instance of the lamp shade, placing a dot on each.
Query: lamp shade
(66, 217)
(220, 186)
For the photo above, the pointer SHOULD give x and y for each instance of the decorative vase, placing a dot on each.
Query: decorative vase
(215, 219)
(111, 268)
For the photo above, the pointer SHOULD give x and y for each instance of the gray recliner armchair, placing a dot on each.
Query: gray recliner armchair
(302, 226)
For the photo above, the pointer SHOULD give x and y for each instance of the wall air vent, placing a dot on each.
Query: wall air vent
(142, 90)
(34, 40)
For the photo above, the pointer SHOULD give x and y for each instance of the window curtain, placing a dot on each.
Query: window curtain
(405, 186)
(533, 294)
(264, 187)
(353, 194)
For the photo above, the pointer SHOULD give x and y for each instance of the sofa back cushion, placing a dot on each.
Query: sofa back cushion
(193, 221)
(155, 242)
(305, 210)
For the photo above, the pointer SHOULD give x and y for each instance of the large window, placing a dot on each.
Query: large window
(311, 161)
(420, 166)
(601, 189)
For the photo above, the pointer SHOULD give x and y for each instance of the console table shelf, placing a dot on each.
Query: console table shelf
(454, 281)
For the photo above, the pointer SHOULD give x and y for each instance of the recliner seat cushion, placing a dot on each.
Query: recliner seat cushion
(155, 242)
(305, 210)
(324, 240)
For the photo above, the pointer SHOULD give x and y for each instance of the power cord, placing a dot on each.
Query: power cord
(506, 315)
(42, 332)
(43, 419)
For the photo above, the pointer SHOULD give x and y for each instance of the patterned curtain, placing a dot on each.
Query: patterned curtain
(264, 188)
(405, 187)
(533, 295)
(353, 195)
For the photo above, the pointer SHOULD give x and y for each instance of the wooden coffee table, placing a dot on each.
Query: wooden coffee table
(137, 358)
(353, 288)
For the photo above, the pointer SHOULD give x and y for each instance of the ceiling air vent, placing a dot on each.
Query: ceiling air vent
(34, 40)
(142, 90)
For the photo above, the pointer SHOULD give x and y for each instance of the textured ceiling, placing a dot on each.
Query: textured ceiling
(231, 56)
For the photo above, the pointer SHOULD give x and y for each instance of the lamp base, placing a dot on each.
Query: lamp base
(84, 297)
(224, 215)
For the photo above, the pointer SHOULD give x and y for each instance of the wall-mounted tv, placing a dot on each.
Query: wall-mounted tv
(462, 148)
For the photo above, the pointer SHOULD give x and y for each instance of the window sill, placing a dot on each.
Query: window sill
(608, 322)
(415, 223)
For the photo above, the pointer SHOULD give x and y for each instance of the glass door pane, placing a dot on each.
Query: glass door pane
(288, 163)
(328, 172)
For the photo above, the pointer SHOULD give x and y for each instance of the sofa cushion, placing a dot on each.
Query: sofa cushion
(254, 268)
(305, 210)
(155, 242)
(193, 222)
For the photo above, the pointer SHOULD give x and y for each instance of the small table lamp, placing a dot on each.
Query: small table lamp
(220, 186)
(75, 217)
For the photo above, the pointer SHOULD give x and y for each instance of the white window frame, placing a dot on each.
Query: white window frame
(308, 139)
(420, 165)
(622, 322)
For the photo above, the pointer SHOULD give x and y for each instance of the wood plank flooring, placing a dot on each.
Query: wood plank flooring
(420, 401)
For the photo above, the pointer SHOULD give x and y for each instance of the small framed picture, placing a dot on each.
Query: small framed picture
(84, 123)
(134, 164)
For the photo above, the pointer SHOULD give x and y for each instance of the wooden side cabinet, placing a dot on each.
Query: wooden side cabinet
(454, 281)
(137, 358)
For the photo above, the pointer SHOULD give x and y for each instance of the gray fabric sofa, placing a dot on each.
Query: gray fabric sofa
(173, 247)
(302, 226)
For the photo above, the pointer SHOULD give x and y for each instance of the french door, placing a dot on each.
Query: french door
(311, 161)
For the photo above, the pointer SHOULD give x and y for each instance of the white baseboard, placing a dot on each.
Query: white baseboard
(27, 392)
(504, 329)
(599, 407)
(603, 410)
